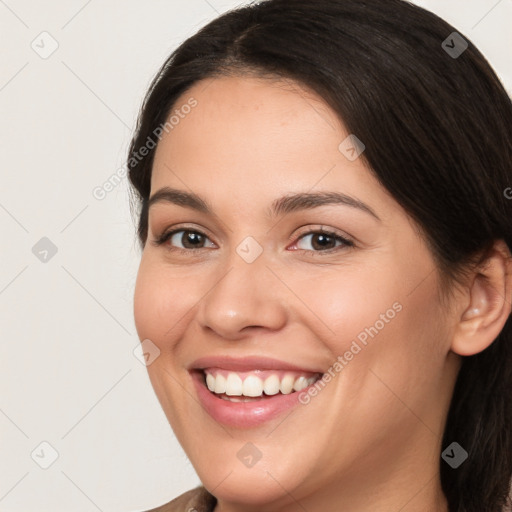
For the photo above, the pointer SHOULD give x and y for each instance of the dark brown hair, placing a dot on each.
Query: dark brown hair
(438, 134)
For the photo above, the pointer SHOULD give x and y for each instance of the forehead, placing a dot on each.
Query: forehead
(255, 137)
(249, 124)
(277, 96)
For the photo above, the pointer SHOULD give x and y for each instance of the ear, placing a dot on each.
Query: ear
(490, 297)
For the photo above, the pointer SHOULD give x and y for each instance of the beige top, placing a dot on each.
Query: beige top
(195, 500)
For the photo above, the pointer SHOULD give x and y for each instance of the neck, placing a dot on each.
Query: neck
(419, 495)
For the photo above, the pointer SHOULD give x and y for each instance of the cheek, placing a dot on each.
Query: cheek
(402, 349)
(160, 302)
(378, 321)
(350, 303)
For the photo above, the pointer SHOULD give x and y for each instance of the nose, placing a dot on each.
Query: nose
(244, 297)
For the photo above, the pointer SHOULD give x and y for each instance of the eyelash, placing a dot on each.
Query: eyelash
(164, 237)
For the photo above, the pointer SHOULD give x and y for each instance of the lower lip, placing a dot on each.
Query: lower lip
(243, 414)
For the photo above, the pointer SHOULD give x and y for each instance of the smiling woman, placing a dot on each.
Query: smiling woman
(326, 264)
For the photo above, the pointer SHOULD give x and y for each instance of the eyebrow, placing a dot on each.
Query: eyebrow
(286, 204)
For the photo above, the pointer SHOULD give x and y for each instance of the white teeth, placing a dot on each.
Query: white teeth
(220, 384)
(237, 399)
(300, 383)
(210, 382)
(271, 385)
(233, 385)
(287, 384)
(253, 386)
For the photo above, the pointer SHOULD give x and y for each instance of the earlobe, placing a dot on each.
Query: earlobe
(489, 306)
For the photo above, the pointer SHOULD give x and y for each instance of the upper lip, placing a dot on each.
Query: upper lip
(248, 363)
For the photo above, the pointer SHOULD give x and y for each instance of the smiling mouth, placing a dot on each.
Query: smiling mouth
(257, 384)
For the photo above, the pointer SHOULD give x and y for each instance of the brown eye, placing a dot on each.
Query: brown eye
(185, 239)
(189, 239)
(323, 241)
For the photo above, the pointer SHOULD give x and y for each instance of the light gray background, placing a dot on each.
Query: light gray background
(68, 374)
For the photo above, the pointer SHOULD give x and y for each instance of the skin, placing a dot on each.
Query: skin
(371, 439)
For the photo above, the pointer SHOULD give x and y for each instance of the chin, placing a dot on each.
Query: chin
(249, 488)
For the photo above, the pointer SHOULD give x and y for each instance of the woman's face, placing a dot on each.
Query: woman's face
(251, 290)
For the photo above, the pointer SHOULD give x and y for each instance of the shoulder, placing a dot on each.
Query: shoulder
(195, 500)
